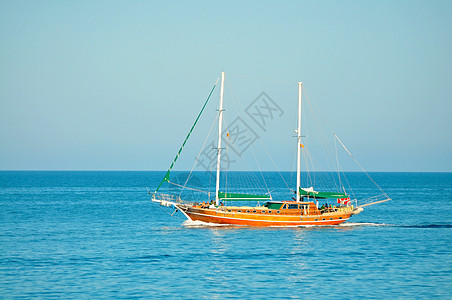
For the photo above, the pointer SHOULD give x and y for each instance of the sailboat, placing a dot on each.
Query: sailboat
(303, 210)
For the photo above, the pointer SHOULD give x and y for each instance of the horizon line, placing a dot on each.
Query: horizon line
(122, 170)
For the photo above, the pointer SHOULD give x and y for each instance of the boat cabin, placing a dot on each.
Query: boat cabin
(304, 206)
(289, 205)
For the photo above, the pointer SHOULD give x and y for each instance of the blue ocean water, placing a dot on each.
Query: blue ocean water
(97, 235)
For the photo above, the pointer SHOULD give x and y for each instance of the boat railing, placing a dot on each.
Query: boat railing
(342, 208)
(166, 197)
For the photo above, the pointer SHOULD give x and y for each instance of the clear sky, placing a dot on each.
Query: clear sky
(115, 85)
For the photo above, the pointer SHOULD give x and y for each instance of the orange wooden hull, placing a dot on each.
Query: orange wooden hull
(285, 219)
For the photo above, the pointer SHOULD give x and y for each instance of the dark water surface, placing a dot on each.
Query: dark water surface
(97, 235)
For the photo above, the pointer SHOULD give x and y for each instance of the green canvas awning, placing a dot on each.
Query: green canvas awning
(321, 195)
(242, 197)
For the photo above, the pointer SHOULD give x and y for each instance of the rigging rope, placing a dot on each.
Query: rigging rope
(166, 177)
(326, 146)
(337, 162)
(186, 187)
(359, 165)
(240, 109)
(199, 154)
(262, 174)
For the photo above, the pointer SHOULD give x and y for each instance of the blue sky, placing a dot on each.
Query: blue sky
(115, 85)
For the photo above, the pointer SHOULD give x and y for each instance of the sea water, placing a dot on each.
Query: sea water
(97, 235)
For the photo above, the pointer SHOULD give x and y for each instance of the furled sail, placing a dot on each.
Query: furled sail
(320, 195)
(242, 197)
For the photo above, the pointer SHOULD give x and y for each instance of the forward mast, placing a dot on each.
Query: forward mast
(220, 123)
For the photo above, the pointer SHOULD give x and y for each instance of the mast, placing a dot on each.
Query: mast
(299, 141)
(220, 121)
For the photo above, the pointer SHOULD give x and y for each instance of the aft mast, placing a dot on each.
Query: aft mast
(299, 141)
(220, 121)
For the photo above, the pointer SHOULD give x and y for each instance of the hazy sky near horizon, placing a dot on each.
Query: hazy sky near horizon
(115, 85)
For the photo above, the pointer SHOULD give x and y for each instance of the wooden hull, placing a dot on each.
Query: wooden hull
(285, 219)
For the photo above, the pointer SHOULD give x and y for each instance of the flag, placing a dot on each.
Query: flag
(344, 201)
